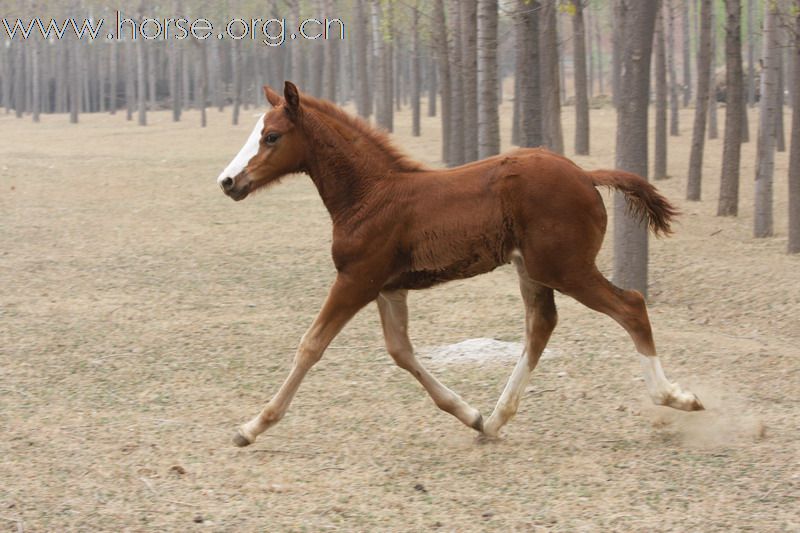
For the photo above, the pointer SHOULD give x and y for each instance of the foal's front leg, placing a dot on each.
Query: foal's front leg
(344, 300)
(394, 318)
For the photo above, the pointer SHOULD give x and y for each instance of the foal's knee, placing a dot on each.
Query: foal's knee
(308, 353)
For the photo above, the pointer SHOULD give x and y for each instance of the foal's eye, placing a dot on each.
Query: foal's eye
(271, 138)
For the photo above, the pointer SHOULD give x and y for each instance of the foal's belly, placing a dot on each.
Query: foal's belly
(439, 262)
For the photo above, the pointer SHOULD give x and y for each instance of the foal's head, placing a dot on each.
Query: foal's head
(276, 147)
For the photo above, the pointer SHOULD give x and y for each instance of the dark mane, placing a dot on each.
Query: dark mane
(378, 138)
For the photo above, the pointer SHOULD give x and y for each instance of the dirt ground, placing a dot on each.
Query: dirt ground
(144, 316)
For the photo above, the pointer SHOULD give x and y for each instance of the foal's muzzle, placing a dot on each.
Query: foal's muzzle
(233, 190)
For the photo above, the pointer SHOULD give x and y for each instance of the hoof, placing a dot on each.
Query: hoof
(697, 405)
(241, 441)
(477, 425)
(685, 401)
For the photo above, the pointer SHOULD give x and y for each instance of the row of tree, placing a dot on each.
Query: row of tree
(458, 53)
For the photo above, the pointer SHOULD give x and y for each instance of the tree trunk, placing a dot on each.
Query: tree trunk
(36, 83)
(442, 57)
(553, 136)
(751, 54)
(674, 86)
(713, 130)
(636, 26)
(794, 153)
(591, 67)
(597, 35)
(174, 73)
(19, 78)
(528, 69)
(687, 51)
(415, 71)
(141, 80)
(203, 89)
(780, 138)
(488, 118)
(734, 107)
(469, 66)
(457, 88)
(330, 63)
(616, 44)
(361, 23)
(516, 109)
(433, 89)
(299, 50)
(130, 86)
(152, 66)
(660, 166)
(693, 186)
(765, 150)
(75, 81)
(581, 89)
(236, 71)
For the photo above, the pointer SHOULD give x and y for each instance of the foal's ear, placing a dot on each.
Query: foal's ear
(292, 96)
(272, 97)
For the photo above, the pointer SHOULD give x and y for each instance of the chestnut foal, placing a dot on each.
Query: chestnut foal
(398, 225)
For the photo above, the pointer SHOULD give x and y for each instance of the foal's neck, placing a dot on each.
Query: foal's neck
(342, 174)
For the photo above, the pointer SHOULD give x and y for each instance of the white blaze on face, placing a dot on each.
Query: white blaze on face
(247, 152)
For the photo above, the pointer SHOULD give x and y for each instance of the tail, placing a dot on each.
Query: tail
(644, 200)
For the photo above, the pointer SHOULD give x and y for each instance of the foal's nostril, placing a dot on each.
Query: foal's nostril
(227, 184)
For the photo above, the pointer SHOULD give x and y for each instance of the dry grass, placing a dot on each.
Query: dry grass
(144, 316)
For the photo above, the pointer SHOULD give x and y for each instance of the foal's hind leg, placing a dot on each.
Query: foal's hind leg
(629, 310)
(540, 320)
(394, 318)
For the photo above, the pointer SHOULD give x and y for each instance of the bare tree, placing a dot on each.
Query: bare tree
(599, 46)
(141, 101)
(415, 71)
(794, 153)
(442, 57)
(529, 73)
(553, 136)
(383, 100)
(433, 86)
(488, 118)
(674, 86)
(636, 26)
(660, 166)
(203, 75)
(330, 62)
(780, 137)
(360, 38)
(617, 47)
(457, 133)
(765, 150)
(469, 76)
(734, 111)
(581, 89)
(751, 54)
(236, 71)
(75, 81)
(686, 28)
(693, 185)
(713, 129)
(36, 85)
